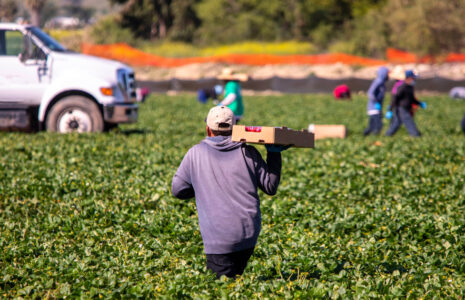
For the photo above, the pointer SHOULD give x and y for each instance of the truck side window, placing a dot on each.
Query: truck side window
(2, 43)
(11, 42)
(37, 53)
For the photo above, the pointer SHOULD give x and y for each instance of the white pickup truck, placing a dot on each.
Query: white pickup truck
(43, 86)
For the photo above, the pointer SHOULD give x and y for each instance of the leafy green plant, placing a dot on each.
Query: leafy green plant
(92, 215)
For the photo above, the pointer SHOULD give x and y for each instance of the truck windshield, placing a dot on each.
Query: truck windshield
(47, 40)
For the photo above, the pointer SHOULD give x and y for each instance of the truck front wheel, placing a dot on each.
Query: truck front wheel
(74, 114)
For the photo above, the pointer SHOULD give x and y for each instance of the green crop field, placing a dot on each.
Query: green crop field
(92, 216)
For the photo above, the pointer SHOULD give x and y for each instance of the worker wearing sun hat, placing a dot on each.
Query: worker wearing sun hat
(232, 91)
(224, 176)
(402, 105)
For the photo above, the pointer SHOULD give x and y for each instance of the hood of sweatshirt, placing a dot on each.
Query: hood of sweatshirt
(383, 73)
(221, 143)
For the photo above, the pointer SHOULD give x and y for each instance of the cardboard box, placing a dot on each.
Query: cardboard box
(273, 135)
(328, 131)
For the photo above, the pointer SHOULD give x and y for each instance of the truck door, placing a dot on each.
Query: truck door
(23, 69)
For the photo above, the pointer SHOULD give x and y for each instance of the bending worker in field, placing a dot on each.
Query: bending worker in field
(232, 91)
(223, 176)
(375, 102)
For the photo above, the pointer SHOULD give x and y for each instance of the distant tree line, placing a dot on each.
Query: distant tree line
(223, 21)
(364, 27)
(37, 12)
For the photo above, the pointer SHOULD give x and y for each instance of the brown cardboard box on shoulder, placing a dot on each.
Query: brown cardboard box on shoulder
(273, 135)
(328, 131)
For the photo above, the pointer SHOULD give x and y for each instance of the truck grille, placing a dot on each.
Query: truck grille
(127, 84)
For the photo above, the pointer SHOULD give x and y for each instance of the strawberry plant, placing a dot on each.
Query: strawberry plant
(92, 215)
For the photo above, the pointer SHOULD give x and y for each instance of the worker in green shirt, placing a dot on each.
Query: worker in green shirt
(232, 91)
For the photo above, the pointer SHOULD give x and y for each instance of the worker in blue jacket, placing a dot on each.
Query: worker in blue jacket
(375, 102)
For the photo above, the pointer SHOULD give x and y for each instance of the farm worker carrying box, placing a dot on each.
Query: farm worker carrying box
(223, 176)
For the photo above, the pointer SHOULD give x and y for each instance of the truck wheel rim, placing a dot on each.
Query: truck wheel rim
(74, 120)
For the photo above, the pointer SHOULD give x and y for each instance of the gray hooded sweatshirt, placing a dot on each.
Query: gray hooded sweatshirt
(223, 176)
(377, 90)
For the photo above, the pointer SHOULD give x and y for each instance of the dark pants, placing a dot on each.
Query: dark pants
(375, 124)
(463, 124)
(402, 116)
(229, 264)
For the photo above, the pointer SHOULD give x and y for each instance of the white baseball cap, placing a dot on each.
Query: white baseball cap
(220, 118)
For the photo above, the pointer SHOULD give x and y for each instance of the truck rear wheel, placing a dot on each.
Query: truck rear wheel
(74, 114)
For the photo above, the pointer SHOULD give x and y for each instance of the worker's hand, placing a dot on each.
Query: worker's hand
(388, 114)
(276, 148)
(423, 105)
(378, 106)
